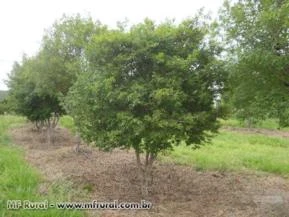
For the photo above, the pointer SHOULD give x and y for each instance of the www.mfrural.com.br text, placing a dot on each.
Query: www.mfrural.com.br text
(43, 205)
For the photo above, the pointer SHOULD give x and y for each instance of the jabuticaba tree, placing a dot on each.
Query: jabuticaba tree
(148, 88)
(40, 107)
(257, 39)
(62, 52)
(39, 84)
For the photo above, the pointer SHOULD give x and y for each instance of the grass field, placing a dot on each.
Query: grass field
(232, 151)
(19, 181)
(236, 151)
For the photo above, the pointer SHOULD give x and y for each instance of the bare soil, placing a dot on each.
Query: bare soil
(177, 190)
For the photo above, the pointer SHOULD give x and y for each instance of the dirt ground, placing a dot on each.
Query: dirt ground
(177, 191)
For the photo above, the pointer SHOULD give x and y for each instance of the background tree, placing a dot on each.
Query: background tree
(4, 107)
(3, 94)
(38, 84)
(42, 108)
(257, 36)
(62, 52)
(147, 89)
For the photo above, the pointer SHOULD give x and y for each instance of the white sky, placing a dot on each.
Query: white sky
(22, 22)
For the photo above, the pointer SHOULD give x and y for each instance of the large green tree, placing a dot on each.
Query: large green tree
(257, 39)
(147, 89)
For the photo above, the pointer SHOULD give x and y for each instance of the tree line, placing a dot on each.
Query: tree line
(150, 86)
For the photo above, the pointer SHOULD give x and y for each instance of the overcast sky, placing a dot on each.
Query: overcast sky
(22, 22)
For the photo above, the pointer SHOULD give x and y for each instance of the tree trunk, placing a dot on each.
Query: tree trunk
(51, 124)
(249, 123)
(78, 142)
(48, 130)
(145, 171)
(49, 136)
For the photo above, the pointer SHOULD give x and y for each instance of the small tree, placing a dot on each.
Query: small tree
(148, 89)
(42, 108)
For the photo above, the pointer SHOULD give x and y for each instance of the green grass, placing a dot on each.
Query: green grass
(67, 122)
(231, 123)
(19, 181)
(231, 151)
